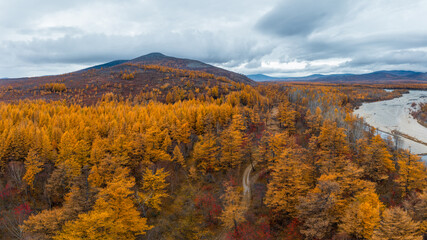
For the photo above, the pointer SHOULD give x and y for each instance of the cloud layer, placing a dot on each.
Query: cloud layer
(281, 38)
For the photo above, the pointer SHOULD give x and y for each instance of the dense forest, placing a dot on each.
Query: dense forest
(219, 160)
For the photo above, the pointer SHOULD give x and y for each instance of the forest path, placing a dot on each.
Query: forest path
(272, 127)
(246, 183)
(247, 180)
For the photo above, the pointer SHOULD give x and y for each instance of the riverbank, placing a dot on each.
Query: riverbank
(394, 116)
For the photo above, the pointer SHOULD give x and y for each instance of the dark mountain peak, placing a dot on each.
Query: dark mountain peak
(155, 54)
(157, 58)
(151, 57)
(106, 65)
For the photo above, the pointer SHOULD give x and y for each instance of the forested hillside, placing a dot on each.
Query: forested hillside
(202, 157)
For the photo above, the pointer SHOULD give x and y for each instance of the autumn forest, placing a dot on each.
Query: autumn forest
(196, 155)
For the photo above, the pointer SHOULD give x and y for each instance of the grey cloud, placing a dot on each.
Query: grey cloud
(239, 35)
(98, 48)
(407, 57)
(299, 17)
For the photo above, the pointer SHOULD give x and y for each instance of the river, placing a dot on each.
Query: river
(394, 114)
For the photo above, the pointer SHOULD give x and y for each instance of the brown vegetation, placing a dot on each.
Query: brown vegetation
(421, 114)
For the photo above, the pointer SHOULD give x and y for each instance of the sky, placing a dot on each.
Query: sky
(273, 37)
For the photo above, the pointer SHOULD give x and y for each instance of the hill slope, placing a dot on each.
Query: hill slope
(154, 74)
(181, 63)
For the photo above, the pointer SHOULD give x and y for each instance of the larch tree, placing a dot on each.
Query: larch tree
(234, 209)
(58, 184)
(412, 172)
(363, 215)
(396, 224)
(178, 157)
(378, 162)
(156, 144)
(33, 166)
(232, 141)
(153, 188)
(314, 121)
(416, 206)
(316, 211)
(102, 173)
(73, 152)
(47, 223)
(180, 131)
(287, 116)
(330, 149)
(16, 145)
(287, 183)
(205, 153)
(114, 215)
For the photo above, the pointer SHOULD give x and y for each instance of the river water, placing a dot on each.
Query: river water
(394, 114)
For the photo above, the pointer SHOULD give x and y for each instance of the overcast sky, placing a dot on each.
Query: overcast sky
(279, 38)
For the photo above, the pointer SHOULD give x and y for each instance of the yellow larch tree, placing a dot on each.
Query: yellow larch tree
(156, 143)
(412, 172)
(234, 209)
(287, 116)
(178, 157)
(314, 121)
(180, 131)
(363, 215)
(72, 152)
(33, 165)
(114, 215)
(287, 183)
(378, 162)
(232, 143)
(153, 189)
(329, 150)
(205, 153)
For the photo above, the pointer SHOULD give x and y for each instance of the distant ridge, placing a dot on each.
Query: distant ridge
(374, 77)
(261, 77)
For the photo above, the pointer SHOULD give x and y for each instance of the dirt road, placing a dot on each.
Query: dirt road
(246, 177)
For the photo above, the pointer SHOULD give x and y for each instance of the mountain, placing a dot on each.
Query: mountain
(181, 63)
(262, 77)
(107, 65)
(382, 77)
(151, 74)
(377, 77)
(188, 64)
